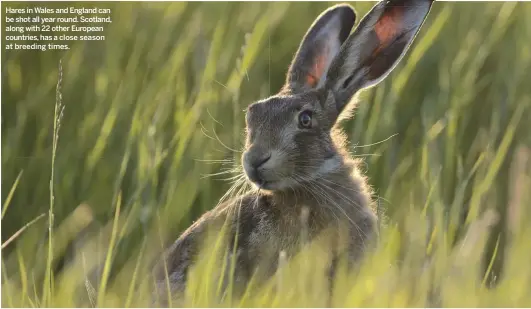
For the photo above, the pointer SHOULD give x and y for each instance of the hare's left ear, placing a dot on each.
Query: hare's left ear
(319, 47)
(375, 48)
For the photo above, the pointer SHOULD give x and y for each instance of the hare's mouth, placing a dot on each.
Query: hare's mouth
(261, 178)
(263, 184)
(273, 185)
(269, 186)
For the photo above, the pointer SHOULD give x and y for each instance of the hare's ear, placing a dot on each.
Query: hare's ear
(375, 47)
(319, 47)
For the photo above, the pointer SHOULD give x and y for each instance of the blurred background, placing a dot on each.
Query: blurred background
(146, 118)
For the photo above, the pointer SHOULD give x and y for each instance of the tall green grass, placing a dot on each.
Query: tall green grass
(156, 109)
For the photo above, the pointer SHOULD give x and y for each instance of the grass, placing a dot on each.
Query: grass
(156, 109)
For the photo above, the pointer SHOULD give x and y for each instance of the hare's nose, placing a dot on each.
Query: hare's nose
(256, 162)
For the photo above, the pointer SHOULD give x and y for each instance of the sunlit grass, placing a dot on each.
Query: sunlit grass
(153, 124)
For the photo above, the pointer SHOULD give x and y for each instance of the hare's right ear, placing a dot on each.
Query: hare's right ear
(376, 46)
(319, 47)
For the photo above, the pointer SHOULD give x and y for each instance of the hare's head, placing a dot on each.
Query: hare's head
(289, 135)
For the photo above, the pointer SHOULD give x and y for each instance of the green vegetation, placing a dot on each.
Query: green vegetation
(137, 122)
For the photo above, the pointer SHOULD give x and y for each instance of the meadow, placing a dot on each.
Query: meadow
(112, 148)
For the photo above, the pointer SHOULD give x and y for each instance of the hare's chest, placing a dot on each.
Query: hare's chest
(285, 230)
(269, 233)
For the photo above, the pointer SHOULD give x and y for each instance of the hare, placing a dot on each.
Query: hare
(295, 153)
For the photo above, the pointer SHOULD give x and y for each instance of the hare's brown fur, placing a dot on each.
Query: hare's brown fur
(268, 223)
(295, 154)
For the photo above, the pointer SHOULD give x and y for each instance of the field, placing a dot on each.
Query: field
(113, 148)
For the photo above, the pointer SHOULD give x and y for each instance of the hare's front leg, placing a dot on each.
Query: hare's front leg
(171, 272)
(363, 237)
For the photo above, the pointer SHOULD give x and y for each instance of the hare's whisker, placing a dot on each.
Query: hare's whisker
(376, 143)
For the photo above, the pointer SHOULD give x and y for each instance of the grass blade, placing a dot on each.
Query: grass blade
(10, 195)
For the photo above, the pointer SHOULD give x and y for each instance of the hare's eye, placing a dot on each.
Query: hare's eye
(305, 119)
